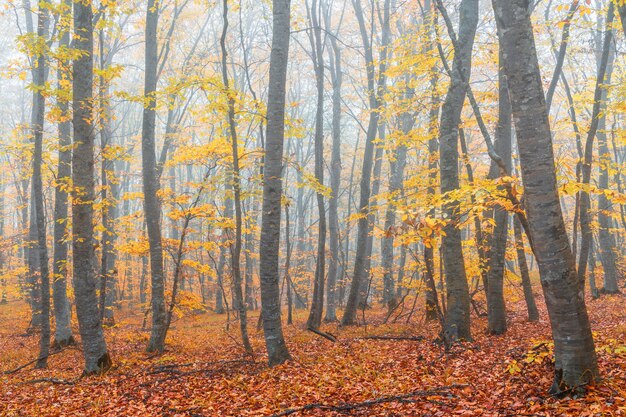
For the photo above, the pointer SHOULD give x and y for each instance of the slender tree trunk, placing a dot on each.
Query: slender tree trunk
(433, 147)
(529, 297)
(496, 310)
(606, 238)
(272, 187)
(62, 310)
(236, 248)
(288, 282)
(397, 165)
(317, 303)
(592, 272)
(574, 351)
(585, 201)
(361, 271)
(39, 109)
(29, 214)
(560, 56)
(97, 359)
(457, 320)
(108, 271)
(335, 180)
(152, 206)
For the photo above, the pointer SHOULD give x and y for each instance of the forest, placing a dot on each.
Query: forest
(318, 207)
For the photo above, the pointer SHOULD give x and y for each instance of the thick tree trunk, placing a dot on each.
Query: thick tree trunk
(457, 320)
(575, 357)
(152, 205)
(97, 359)
(272, 187)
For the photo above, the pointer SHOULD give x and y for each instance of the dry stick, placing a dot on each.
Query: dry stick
(481, 123)
(402, 398)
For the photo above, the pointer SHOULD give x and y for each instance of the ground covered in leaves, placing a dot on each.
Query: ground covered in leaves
(204, 373)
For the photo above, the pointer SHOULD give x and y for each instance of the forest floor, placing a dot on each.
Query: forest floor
(204, 373)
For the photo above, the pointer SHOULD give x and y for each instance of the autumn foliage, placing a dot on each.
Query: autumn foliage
(204, 371)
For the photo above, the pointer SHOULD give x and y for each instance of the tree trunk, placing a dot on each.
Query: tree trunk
(433, 147)
(574, 351)
(335, 180)
(39, 109)
(496, 310)
(108, 271)
(272, 186)
(395, 186)
(457, 320)
(529, 297)
(152, 206)
(236, 248)
(317, 303)
(585, 200)
(62, 309)
(361, 271)
(97, 359)
(606, 238)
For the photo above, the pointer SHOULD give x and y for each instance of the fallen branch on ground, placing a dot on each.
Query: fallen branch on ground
(19, 368)
(51, 380)
(328, 336)
(402, 398)
(410, 338)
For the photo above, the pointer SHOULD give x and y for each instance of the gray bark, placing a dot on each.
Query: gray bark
(496, 310)
(575, 357)
(317, 303)
(457, 320)
(606, 238)
(152, 206)
(361, 271)
(62, 309)
(529, 297)
(236, 248)
(395, 185)
(97, 359)
(335, 180)
(39, 108)
(272, 186)
(585, 201)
